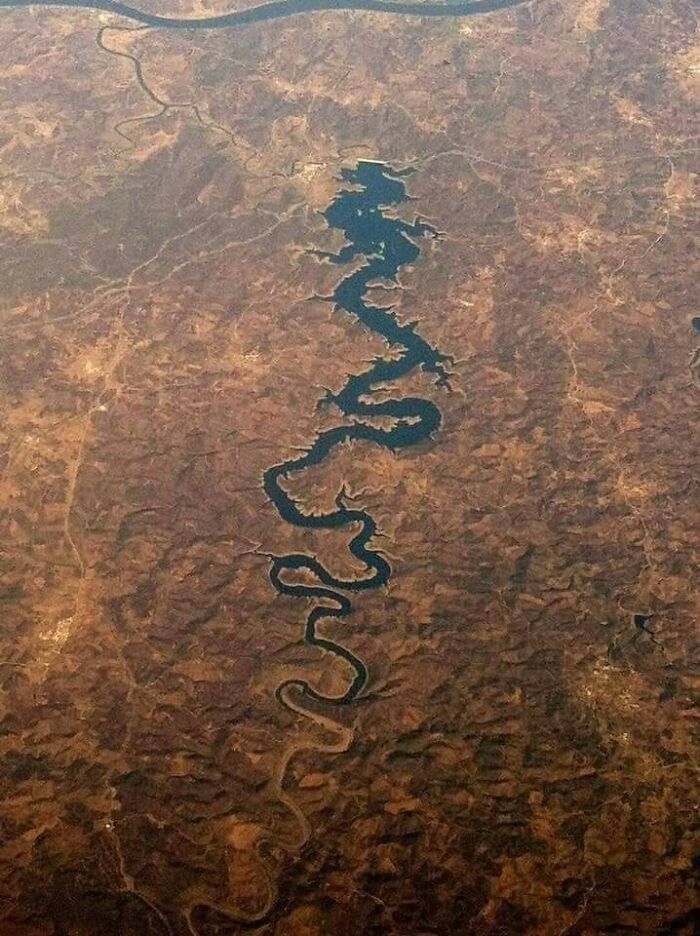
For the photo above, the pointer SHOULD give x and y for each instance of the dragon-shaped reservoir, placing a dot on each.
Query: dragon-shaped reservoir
(386, 243)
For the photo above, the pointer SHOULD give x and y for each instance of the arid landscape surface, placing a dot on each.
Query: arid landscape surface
(524, 758)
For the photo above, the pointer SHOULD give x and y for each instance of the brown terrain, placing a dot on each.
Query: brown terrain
(524, 762)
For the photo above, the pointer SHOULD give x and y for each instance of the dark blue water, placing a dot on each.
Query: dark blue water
(387, 244)
(277, 9)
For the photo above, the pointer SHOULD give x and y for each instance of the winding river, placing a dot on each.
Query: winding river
(386, 243)
(277, 9)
